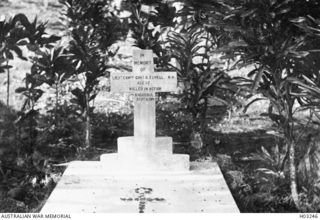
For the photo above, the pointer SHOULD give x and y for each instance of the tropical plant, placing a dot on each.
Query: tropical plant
(15, 33)
(201, 74)
(53, 67)
(94, 28)
(271, 169)
(10, 35)
(308, 165)
(66, 139)
(28, 114)
(264, 36)
(150, 24)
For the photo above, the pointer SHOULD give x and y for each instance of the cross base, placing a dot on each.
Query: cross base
(129, 159)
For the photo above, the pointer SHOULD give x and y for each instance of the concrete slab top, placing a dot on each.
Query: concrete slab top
(200, 190)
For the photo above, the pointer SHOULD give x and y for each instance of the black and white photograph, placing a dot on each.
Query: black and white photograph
(159, 106)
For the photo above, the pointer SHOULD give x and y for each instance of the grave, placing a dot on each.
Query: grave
(144, 175)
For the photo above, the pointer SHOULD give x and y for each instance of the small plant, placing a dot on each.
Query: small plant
(200, 78)
(29, 115)
(119, 124)
(12, 33)
(53, 69)
(149, 27)
(15, 33)
(64, 140)
(269, 180)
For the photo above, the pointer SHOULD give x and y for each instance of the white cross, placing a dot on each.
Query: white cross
(144, 83)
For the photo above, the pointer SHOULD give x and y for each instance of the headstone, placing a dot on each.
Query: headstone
(144, 176)
(144, 151)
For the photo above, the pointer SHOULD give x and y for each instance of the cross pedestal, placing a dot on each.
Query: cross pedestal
(144, 151)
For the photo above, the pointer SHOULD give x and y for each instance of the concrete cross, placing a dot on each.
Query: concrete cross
(142, 199)
(144, 83)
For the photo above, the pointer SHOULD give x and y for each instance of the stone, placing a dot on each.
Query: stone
(85, 188)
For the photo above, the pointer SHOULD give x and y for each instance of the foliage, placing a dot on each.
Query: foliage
(310, 65)
(94, 28)
(199, 73)
(173, 120)
(262, 33)
(308, 165)
(62, 138)
(17, 32)
(35, 39)
(187, 44)
(119, 125)
(28, 116)
(52, 67)
(20, 160)
(308, 171)
(196, 69)
(149, 27)
(11, 33)
(270, 174)
(255, 183)
(270, 178)
(24, 178)
(8, 132)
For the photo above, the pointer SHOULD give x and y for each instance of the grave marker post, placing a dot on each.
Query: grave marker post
(143, 82)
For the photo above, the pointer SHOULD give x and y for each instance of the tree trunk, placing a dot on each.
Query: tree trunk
(293, 180)
(203, 128)
(32, 132)
(56, 121)
(88, 121)
(56, 107)
(288, 128)
(196, 139)
(88, 131)
(8, 85)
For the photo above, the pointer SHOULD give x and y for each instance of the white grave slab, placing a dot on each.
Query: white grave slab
(85, 188)
(145, 175)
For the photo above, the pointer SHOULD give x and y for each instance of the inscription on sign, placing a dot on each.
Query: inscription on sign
(156, 82)
(143, 79)
(147, 62)
(144, 97)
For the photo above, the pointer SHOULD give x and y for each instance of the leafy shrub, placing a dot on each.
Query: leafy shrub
(256, 188)
(174, 121)
(65, 137)
(107, 128)
(309, 172)
(94, 28)
(9, 143)
(310, 199)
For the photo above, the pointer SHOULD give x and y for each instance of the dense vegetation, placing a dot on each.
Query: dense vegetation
(276, 43)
